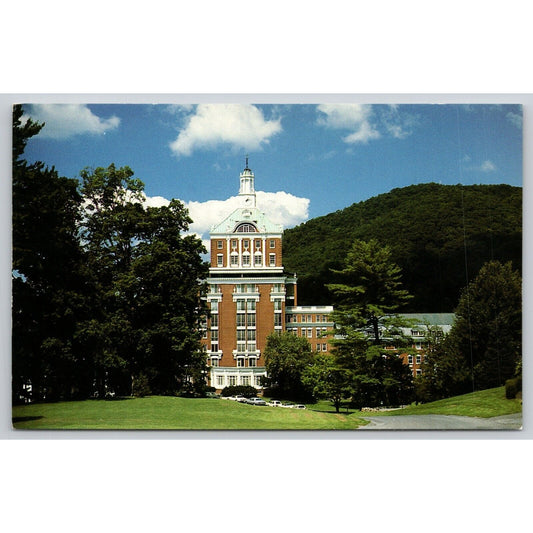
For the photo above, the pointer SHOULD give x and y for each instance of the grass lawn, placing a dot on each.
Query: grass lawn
(165, 412)
(483, 404)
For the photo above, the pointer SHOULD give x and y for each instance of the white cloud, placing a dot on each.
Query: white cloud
(354, 117)
(281, 208)
(487, 166)
(66, 120)
(515, 119)
(239, 125)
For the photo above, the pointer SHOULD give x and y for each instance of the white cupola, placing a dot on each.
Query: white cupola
(247, 190)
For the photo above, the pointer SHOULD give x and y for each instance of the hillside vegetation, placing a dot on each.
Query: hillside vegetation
(439, 234)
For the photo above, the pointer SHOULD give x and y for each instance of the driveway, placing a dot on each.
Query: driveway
(436, 422)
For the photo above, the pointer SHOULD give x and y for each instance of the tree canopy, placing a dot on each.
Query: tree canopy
(427, 227)
(106, 291)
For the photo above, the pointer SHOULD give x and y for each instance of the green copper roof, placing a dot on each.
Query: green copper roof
(433, 319)
(250, 215)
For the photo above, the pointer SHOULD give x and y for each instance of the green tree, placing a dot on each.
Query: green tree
(48, 270)
(326, 379)
(368, 294)
(286, 357)
(146, 287)
(487, 333)
(370, 289)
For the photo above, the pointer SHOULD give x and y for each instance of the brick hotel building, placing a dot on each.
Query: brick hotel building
(250, 296)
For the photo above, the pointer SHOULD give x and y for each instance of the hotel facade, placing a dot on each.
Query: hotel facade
(250, 296)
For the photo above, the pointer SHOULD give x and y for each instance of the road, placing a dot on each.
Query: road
(436, 422)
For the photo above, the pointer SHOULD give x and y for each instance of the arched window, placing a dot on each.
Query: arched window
(245, 228)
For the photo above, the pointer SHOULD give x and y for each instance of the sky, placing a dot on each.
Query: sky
(308, 159)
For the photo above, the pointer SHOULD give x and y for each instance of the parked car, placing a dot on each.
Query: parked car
(212, 395)
(240, 398)
(299, 406)
(287, 405)
(274, 403)
(256, 401)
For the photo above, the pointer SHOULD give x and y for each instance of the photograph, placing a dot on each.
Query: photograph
(231, 265)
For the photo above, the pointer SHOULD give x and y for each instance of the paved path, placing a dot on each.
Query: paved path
(436, 422)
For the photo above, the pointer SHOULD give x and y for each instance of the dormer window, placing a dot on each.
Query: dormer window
(246, 228)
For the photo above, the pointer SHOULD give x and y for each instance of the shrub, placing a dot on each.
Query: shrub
(245, 390)
(513, 387)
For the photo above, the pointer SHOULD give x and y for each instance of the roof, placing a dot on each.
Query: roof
(246, 214)
(433, 319)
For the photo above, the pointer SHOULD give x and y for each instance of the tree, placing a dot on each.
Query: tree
(366, 300)
(326, 379)
(487, 333)
(286, 358)
(47, 275)
(370, 291)
(145, 275)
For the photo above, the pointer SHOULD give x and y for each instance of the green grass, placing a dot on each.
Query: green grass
(483, 404)
(161, 412)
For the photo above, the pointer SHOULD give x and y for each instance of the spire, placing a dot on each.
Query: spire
(247, 190)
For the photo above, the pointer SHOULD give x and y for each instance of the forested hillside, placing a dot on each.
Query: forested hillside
(439, 234)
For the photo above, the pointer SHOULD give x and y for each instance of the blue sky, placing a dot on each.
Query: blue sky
(308, 160)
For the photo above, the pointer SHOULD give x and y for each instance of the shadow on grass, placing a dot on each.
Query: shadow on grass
(17, 419)
(333, 412)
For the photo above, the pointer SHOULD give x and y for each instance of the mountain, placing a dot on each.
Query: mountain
(440, 236)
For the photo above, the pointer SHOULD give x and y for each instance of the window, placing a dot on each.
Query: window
(220, 381)
(250, 335)
(418, 359)
(257, 243)
(214, 335)
(220, 245)
(272, 243)
(277, 320)
(250, 305)
(250, 319)
(214, 306)
(214, 361)
(245, 380)
(245, 259)
(310, 332)
(234, 260)
(252, 361)
(277, 305)
(241, 334)
(241, 320)
(272, 259)
(220, 260)
(410, 359)
(258, 260)
(240, 362)
(214, 346)
(257, 381)
(418, 372)
(214, 321)
(245, 228)
(233, 244)
(246, 244)
(241, 305)
(324, 347)
(232, 380)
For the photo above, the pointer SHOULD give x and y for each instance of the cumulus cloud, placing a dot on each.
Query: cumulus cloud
(367, 122)
(281, 208)
(239, 125)
(67, 120)
(354, 117)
